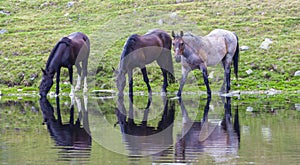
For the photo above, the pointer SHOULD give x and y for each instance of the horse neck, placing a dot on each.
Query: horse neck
(189, 52)
(54, 61)
(193, 45)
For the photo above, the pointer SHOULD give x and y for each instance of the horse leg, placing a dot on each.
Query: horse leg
(185, 73)
(57, 81)
(227, 72)
(71, 81)
(84, 74)
(78, 84)
(165, 84)
(145, 77)
(205, 77)
(130, 83)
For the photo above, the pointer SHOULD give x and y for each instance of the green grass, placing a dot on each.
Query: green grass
(34, 27)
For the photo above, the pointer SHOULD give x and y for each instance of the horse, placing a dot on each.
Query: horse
(218, 140)
(140, 137)
(71, 50)
(140, 50)
(199, 52)
(72, 137)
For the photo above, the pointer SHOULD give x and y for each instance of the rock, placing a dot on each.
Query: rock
(243, 48)
(4, 12)
(249, 109)
(2, 31)
(266, 43)
(33, 76)
(297, 106)
(173, 15)
(160, 22)
(249, 71)
(211, 75)
(70, 4)
(297, 73)
(44, 4)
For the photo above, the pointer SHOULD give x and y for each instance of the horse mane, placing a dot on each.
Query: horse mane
(65, 40)
(193, 39)
(129, 45)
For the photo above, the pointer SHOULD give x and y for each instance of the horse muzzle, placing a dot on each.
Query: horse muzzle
(178, 58)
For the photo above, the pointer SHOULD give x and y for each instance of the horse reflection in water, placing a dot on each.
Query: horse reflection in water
(142, 139)
(217, 140)
(71, 137)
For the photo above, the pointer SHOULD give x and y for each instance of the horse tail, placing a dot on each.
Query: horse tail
(128, 46)
(87, 41)
(169, 67)
(236, 57)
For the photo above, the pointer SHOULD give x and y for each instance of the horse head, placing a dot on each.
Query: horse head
(178, 45)
(46, 83)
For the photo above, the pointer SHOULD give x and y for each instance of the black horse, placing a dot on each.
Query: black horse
(72, 137)
(71, 50)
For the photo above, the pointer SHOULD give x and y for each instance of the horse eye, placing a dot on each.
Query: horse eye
(182, 44)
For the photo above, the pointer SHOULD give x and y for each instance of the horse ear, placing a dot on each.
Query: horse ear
(43, 71)
(116, 72)
(173, 34)
(181, 33)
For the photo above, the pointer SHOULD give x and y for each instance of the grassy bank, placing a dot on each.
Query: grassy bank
(34, 26)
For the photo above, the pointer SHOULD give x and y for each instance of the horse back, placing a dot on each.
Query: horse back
(146, 48)
(80, 47)
(219, 44)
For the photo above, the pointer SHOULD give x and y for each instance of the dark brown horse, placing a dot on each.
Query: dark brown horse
(141, 138)
(71, 50)
(199, 52)
(139, 51)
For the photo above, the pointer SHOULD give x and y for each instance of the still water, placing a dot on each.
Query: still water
(249, 129)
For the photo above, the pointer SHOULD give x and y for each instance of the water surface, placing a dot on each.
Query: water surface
(252, 129)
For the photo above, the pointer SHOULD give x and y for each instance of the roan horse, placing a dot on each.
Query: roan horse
(139, 51)
(199, 52)
(71, 50)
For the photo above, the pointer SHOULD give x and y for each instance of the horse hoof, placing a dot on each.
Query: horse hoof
(163, 94)
(71, 94)
(85, 90)
(178, 94)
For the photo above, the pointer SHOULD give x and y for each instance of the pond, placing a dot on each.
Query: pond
(254, 128)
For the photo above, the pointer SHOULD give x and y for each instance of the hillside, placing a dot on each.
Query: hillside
(31, 28)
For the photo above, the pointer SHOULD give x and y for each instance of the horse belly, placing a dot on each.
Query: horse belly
(216, 50)
(151, 54)
(213, 60)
